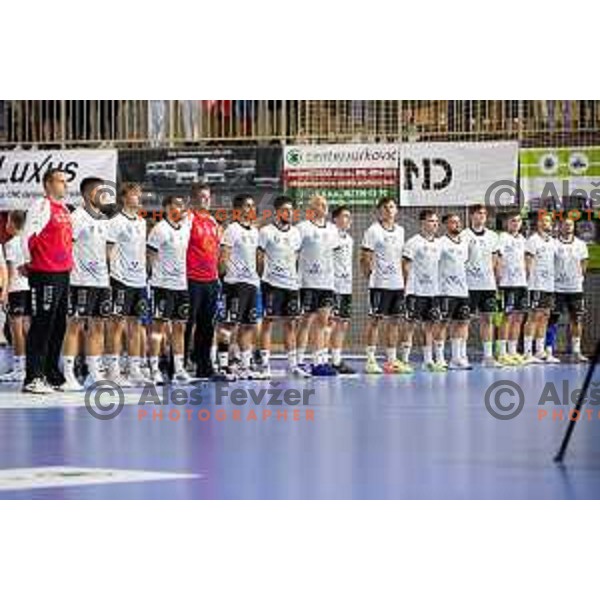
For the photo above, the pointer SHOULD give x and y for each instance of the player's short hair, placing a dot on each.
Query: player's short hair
(88, 184)
(449, 215)
(426, 213)
(239, 199)
(384, 200)
(338, 210)
(197, 188)
(168, 200)
(128, 187)
(17, 218)
(49, 175)
(476, 208)
(281, 200)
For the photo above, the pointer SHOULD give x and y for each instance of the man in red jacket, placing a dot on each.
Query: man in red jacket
(48, 257)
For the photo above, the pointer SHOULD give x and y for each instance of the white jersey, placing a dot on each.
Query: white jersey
(424, 256)
(543, 251)
(342, 263)
(386, 245)
(315, 261)
(169, 241)
(568, 274)
(128, 260)
(13, 251)
(243, 242)
(90, 260)
(480, 266)
(454, 254)
(511, 249)
(281, 248)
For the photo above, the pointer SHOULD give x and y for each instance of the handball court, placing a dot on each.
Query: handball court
(424, 436)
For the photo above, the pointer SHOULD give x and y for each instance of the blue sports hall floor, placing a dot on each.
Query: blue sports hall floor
(382, 437)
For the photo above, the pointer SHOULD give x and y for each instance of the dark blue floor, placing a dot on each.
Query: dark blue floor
(427, 436)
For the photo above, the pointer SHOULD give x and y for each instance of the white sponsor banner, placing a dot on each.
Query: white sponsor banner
(458, 174)
(21, 172)
(341, 156)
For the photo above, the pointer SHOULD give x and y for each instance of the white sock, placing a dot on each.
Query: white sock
(463, 349)
(93, 364)
(512, 347)
(154, 364)
(371, 353)
(301, 354)
(488, 349)
(292, 357)
(528, 345)
(265, 356)
(576, 343)
(455, 344)
(406, 348)
(539, 345)
(549, 350)
(336, 355)
(427, 354)
(112, 364)
(213, 355)
(178, 363)
(69, 366)
(439, 352)
(223, 359)
(501, 347)
(391, 354)
(134, 363)
(246, 356)
(316, 357)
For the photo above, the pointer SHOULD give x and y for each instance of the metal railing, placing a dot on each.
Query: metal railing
(131, 123)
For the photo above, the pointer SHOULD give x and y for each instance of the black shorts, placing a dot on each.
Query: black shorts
(238, 303)
(129, 301)
(454, 308)
(280, 302)
(19, 303)
(170, 305)
(87, 301)
(386, 303)
(342, 306)
(514, 299)
(313, 300)
(423, 308)
(572, 303)
(541, 300)
(483, 301)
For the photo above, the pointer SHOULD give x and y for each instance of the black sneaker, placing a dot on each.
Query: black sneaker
(344, 369)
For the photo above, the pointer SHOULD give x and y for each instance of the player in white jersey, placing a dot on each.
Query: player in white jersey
(540, 253)
(512, 283)
(237, 266)
(420, 263)
(454, 292)
(342, 272)
(481, 277)
(90, 298)
(167, 249)
(319, 238)
(18, 294)
(276, 260)
(127, 263)
(569, 272)
(381, 264)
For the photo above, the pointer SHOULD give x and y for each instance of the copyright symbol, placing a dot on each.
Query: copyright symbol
(505, 192)
(104, 411)
(504, 410)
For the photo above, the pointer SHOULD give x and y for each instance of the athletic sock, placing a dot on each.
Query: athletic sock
(512, 347)
(301, 354)
(488, 349)
(246, 356)
(528, 345)
(370, 353)
(69, 366)
(213, 354)
(178, 363)
(93, 364)
(576, 344)
(112, 364)
(292, 358)
(455, 344)
(154, 364)
(405, 352)
(540, 344)
(336, 356)
(265, 356)
(463, 349)
(391, 354)
(501, 347)
(439, 352)
(427, 354)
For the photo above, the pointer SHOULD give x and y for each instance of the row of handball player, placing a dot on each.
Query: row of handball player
(304, 273)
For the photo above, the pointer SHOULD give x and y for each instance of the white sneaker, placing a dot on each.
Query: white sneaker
(263, 372)
(552, 360)
(465, 364)
(71, 384)
(298, 373)
(530, 359)
(17, 376)
(580, 358)
(182, 377)
(37, 386)
(137, 377)
(489, 362)
(455, 365)
(92, 379)
(157, 378)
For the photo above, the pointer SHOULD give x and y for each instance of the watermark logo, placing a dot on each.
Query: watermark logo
(504, 400)
(503, 193)
(95, 400)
